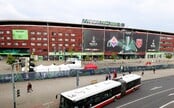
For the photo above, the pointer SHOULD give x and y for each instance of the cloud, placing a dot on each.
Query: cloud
(144, 14)
(9, 12)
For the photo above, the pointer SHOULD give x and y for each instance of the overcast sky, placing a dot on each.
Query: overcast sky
(142, 14)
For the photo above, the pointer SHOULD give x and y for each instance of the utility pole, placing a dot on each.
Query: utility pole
(13, 87)
(77, 78)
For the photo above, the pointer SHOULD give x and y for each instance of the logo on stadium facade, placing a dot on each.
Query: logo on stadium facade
(112, 42)
(139, 43)
(93, 42)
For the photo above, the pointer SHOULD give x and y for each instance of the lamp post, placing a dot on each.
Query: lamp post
(77, 78)
(64, 50)
(13, 86)
(54, 53)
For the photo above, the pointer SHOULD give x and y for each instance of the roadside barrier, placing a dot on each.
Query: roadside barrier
(6, 78)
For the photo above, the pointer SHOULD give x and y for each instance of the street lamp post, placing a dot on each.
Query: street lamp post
(54, 53)
(77, 78)
(13, 86)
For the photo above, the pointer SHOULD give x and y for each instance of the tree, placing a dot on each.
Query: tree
(101, 57)
(10, 60)
(169, 55)
(87, 58)
(71, 50)
(114, 56)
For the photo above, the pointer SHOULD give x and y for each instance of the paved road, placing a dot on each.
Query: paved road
(45, 91)
(154, 93)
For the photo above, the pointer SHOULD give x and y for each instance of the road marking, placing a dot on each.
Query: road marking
(171, 94)
(47, 103)
(166, 104)
(144, 97)
(154, 88)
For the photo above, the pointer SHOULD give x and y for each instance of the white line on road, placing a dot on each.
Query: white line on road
(47, 103)
(154, 88)
(171, 94)
(166, 104)
(144, 97)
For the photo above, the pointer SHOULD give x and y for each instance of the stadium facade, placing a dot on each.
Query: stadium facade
(59, 40)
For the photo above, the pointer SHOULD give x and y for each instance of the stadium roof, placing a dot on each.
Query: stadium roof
(50, 23)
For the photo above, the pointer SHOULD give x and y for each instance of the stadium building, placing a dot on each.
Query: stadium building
(54, 40)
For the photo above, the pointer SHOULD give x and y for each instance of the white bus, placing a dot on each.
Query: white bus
(130, 83)
(100, 94)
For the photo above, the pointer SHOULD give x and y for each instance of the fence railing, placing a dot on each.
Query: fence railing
(5, 78)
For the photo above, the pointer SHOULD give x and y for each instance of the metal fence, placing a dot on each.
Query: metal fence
(5, 78)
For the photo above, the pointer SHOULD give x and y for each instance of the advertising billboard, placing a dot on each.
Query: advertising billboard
(93, 40)
(153, 42)
(20, 34)
(125, 42)
(112, 39)
(140, 41)
(128, 44)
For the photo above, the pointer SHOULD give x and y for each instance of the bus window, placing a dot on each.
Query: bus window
(133, 83)
(116, 90)
(65, 103)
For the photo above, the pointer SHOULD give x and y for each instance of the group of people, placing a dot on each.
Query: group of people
(142, 73)
(108, 76)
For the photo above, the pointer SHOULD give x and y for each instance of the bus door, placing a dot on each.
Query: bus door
(123, 87)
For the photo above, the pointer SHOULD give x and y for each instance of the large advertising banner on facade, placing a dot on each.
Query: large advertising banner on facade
(153, 42)
(128, 44)
(125, 42)
(140, 40)
(20, 34)
(112, 39)
(93, 40)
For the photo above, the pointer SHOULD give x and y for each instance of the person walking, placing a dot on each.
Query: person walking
(115, 74)
(29, 87)
(142, 73)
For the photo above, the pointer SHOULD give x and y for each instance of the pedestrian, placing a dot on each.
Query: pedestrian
(142, 73)
(29, 87)
(56, 96)
(109, 76)
(106, 77)
(115, 74)
(153, 70)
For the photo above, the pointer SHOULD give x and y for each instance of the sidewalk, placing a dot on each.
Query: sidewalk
(45, 91)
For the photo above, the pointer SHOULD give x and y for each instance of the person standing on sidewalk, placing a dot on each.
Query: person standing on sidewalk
(154, 70)
(107, 77)
(142, 73)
